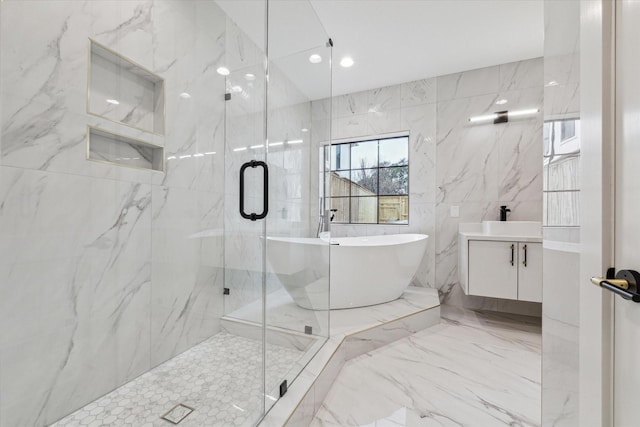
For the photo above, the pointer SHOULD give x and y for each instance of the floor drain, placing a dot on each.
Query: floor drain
(177, 413)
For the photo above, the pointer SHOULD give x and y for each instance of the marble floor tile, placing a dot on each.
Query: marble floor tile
(220, 378)
(476, 369)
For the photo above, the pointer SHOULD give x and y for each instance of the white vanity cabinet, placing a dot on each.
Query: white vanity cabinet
(530, 272)
(501, 260)
(505, 269)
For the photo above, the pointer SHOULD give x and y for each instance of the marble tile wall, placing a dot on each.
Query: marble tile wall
(481, 167)
(476, 167)
(561, 257)
(105, 271)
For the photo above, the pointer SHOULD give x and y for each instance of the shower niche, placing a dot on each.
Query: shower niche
(121, 150)
(124, 92)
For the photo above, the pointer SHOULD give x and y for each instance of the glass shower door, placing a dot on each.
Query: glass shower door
(297, 268)
(276, 269)
(245, 203)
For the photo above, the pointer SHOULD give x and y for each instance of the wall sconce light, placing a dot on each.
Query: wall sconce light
(503, 116)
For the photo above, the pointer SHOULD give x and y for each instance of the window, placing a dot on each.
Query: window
(567, 130)
(561, 173)
(368, 181)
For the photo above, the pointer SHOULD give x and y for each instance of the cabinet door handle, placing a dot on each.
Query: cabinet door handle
(512, 253)
(525, 256)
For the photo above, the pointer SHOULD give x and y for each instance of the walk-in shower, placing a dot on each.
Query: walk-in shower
(133, 289)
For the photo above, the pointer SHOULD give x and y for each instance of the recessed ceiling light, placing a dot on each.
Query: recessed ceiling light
(304, 130)
(236, 89)
(501, 101)
(250, 77)
(346, 62)
(315, 58)
(113, 101)
(552, 83)
(185, 95)
(223, 71)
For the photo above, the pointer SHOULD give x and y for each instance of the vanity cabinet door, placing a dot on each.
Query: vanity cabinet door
(530, 272)
(491, 273)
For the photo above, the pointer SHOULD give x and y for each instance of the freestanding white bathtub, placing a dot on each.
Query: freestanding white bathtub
(363, 270)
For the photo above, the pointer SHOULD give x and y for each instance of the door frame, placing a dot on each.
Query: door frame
(597, 157)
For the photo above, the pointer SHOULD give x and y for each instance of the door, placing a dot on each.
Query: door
(297, 262)
(493, 269)
(246, 179)
(530, 272)
(627, 212)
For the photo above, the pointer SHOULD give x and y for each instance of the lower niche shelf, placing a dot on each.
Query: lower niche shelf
(120, 150)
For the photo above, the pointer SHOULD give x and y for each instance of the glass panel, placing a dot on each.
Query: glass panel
(394, 180)
(325, 158)
(342, 206)
(394, 152)
(297, 270)
(563, 208)
(338, 184)
(364, 155)
(132, 273)
(561, 137)
(244, 241)
(393, 210)
(364, 210)
(563, 174)
(364, 182)
(340, 157)
(567, 130)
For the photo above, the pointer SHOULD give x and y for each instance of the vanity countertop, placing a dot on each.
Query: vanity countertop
(509, 231)
(470, 235)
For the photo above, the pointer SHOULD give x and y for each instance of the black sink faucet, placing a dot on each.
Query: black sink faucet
(503, 213)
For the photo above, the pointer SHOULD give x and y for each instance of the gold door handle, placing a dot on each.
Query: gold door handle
(620, 283)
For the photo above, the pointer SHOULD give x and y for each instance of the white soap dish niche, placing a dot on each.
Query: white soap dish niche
(124, 92)
(107, 147)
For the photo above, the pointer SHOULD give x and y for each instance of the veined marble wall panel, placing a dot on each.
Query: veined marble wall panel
(477, 167)
(482, 166)
(76, 287)
(187, 236)
(90, 302)
(44, 79)
(187, 58)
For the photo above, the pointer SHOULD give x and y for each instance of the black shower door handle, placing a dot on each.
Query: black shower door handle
(265, 205)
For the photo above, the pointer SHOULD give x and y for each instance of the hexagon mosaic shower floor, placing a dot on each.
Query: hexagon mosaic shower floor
(220, 378)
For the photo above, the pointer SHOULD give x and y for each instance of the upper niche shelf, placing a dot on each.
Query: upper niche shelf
(124, 92)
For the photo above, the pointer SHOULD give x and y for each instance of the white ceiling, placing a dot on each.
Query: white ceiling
(395, 41)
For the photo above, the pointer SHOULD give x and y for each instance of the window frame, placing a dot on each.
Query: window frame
(326, 151)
